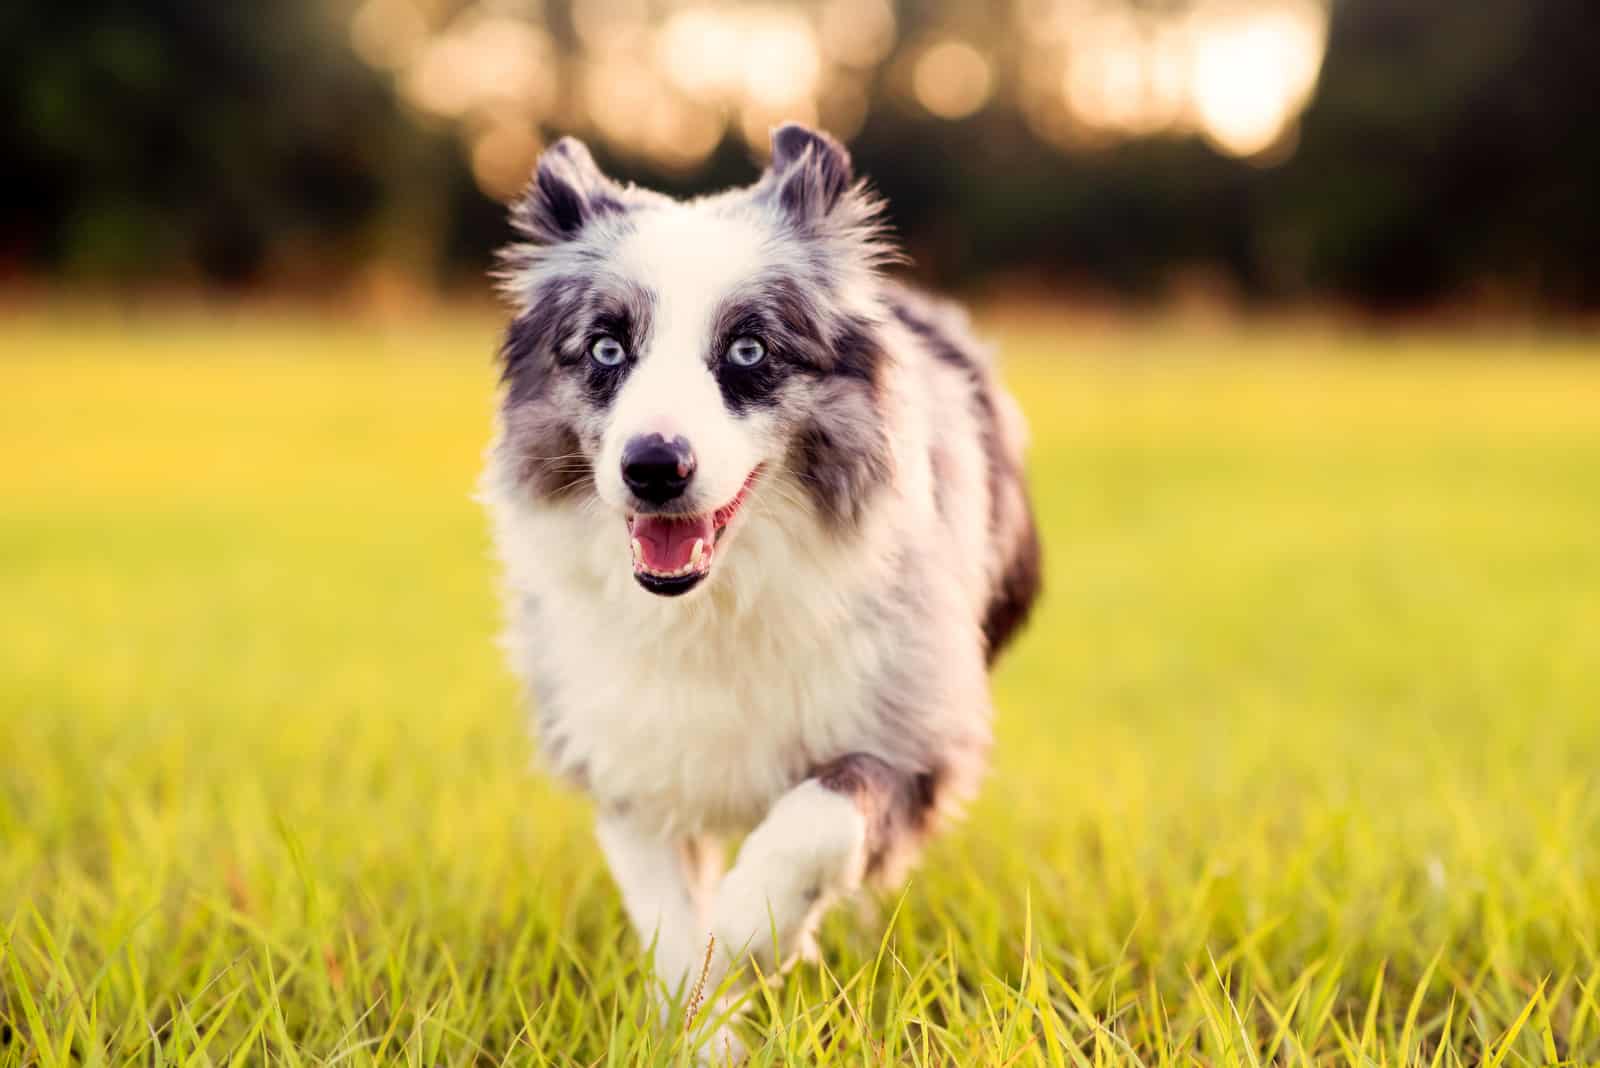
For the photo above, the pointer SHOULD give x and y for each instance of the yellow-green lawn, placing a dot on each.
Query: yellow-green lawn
(1299, 762)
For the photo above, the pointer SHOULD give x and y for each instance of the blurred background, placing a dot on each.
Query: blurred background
(1377, 155)
(1299, 297)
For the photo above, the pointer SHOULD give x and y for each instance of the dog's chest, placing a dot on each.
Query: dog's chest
(702, 723)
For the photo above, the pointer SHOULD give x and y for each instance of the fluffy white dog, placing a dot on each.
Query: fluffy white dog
(764, 528)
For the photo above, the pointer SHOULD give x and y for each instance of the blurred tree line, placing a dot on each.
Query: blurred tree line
(1451, 152)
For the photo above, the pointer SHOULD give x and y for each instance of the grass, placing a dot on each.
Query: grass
(1297, 765)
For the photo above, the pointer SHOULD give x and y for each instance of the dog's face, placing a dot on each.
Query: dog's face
(672, 361)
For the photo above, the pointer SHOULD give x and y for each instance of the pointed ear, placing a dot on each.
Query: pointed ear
(566, 192)
(810, 171)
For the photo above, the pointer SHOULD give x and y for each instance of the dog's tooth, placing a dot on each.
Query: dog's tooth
(638, 552)
(699, 550)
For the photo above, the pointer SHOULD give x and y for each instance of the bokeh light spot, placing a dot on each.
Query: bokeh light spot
(503, 156)
(952, 79)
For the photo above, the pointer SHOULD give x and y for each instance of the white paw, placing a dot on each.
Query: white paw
(740, 914)
(807, 852)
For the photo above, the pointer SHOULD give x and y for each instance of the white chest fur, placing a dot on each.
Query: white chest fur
(693, 714)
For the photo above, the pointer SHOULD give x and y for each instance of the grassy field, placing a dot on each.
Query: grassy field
(1299, 763)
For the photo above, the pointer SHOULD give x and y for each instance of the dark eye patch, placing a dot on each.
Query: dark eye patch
(776, 312)
(756, 386)
(600, 382)
(618, 310)
(532, 343)
(744, 388)
(800, 335)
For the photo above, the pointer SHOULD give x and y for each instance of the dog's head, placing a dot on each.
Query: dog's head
(670, 361)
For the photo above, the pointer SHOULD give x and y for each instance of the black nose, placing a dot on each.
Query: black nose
(655, 469)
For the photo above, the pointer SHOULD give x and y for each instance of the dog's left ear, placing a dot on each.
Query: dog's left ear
(809, 173)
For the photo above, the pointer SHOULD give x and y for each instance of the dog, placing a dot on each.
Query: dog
(764, 528)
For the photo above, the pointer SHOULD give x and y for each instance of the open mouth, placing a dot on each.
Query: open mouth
(672, 554)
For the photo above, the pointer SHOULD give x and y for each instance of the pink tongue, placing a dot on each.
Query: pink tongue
(666, 543)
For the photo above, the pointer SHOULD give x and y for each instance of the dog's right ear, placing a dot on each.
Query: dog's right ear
(810, 172)
(567, 192)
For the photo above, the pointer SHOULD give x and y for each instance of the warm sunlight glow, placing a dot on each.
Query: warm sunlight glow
(502, 158)
(667, 81)
(729, 56)
(857, 33)
(1238, 74)
(1253, 73)
(600, 23)
(763, 63)
(388, 33)
(699, 49)
(780, 59)
(487, 62)
(952, 79)
(1109, 79)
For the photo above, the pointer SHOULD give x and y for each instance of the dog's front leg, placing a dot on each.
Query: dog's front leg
(666, 885)
(814, 848)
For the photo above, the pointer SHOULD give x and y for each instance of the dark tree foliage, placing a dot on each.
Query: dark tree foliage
(210, 140)
(1451, 148)
(1451, 145)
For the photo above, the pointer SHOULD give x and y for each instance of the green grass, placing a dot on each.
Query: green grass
(1299, 763)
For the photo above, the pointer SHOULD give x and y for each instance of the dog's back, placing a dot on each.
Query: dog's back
(1012, 554)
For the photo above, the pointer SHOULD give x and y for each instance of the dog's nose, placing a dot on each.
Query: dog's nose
(655, 469)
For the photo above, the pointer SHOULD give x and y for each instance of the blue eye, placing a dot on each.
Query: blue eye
(607, 351)
(746, 352)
